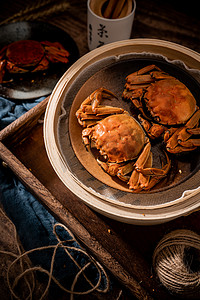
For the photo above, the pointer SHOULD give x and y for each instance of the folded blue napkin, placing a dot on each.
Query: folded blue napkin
(33, 222)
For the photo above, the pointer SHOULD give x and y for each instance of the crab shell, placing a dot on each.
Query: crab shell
(170, 102)
(25, 53)
(119, 137)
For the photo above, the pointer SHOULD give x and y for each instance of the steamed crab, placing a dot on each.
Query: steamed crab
(167, 107)
(124, 149)
(30, 56)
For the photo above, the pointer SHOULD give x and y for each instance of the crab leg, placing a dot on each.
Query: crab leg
(138, 104)
(144, 70)
(139, 181)
(154, 180)
(55, 52)
(88, 100)
(142, 80)
(43, 65)
(100, 110)
(132, 87)
(118, 169)
(141, 161)
(96, 97)
(172, 142)
(194, 131)
(124, 170)
(180, 149)
(86, 133)
(168, 133)
(134, 181)
(144, 179)
(139, 79)
(110, 168)
(101, 93)
(85, 116)
(88, 123)
(90, 111)
(143, 156)
(127, 94)
(191, 143)
(157, 172)
(12, 68)
(177, 142)
(160, 75)
(184, 133)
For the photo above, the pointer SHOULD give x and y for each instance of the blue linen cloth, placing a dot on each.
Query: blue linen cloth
(33, 222)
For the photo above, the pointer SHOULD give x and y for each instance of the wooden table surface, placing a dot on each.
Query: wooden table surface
(170, 20)
(175, 21)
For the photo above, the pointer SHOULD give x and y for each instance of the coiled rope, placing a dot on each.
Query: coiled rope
(27, 272)
(176, 261)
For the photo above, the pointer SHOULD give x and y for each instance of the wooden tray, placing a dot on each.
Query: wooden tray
(125, 250)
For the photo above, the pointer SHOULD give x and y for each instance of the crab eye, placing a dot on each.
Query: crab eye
(157, 119)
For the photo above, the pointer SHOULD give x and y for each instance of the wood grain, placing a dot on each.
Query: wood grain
(21, 127)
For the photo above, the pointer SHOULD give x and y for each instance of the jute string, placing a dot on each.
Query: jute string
(27, 273)
(173, 259)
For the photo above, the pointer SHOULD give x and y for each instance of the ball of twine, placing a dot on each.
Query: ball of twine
(176, 261)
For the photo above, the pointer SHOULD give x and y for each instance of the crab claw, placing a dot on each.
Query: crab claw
(157, 172)
(97, 96)
(134, 182)
(12, 68)
(111, 168)
(144, 177)
(91, 111)
(179, 140)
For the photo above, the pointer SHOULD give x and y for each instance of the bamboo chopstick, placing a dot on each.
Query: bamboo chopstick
(127, 9)
(118, 9)
(114, 9)
(109, 9)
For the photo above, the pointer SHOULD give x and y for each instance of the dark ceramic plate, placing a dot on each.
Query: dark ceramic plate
(35, 85)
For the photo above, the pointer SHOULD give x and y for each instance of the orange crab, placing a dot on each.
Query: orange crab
(167, 107)
(30, 56)
(124, 149)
